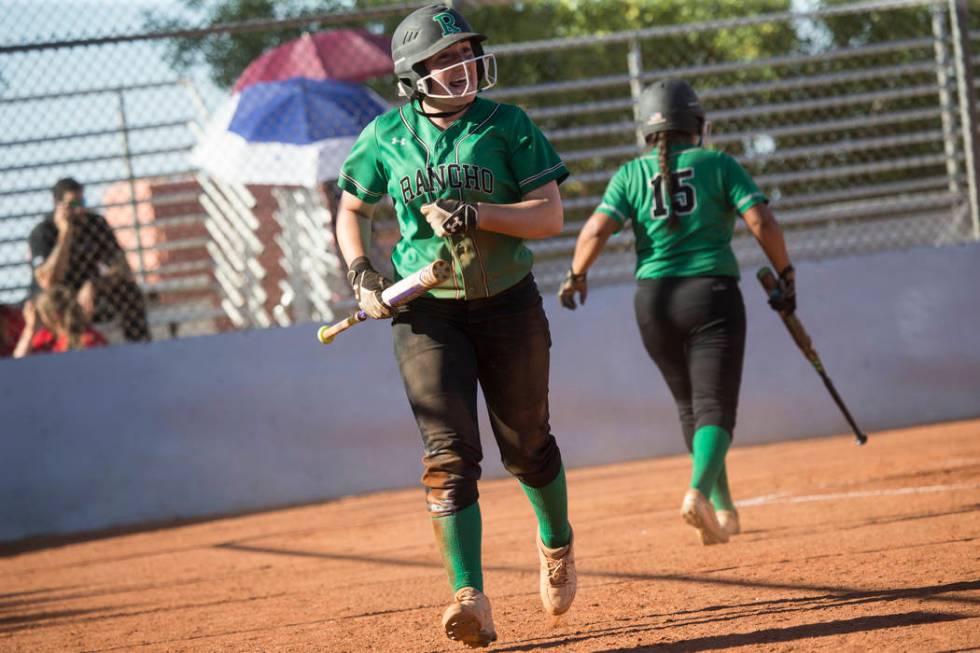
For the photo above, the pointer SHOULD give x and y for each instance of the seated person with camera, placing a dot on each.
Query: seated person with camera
(77, 249)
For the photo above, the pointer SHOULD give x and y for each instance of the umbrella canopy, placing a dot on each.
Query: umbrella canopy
(302, 111)
(351, 55)
(295, 132)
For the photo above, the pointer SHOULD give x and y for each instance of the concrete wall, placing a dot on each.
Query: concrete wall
(244, 421)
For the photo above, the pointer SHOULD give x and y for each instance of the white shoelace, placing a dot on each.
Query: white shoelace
(557, 572)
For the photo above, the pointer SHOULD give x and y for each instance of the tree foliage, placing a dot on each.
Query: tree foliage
(227, 54)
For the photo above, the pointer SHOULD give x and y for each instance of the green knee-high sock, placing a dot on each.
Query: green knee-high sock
(550, 505)
(721, 496)
(710, 446)
(459, 536)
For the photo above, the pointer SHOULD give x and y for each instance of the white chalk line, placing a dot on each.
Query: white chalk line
(784, 497)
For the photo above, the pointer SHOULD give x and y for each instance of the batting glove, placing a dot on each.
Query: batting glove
(573, 283)
(782, 299)
(367, 285)
(450, 217)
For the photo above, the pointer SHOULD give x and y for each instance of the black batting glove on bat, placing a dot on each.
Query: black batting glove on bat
(782, 299)
(449, 217)
(573, 283)
(368, 284)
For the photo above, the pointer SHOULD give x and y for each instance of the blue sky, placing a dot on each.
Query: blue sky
(52, 73)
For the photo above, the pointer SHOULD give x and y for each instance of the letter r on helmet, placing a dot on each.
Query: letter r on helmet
(448, 23)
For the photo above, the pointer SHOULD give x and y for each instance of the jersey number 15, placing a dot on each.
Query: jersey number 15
(683, 198)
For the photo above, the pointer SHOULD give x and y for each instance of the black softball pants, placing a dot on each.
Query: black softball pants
(694, 330)
(444, 348)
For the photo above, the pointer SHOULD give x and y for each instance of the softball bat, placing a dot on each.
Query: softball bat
(802, 340)
(395, 295)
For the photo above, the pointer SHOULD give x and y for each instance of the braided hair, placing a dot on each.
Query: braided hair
(662, 141)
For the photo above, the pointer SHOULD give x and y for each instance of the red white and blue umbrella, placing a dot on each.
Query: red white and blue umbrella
(347, 55)
(295, 112)
(294, 132)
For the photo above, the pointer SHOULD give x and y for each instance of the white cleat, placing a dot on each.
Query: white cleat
(728, 520)
(698, 512)
(469, 619)
(558, 579)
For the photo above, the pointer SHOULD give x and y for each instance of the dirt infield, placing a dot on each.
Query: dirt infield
(844, 548)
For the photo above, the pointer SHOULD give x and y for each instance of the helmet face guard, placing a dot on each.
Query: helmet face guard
(486, 77)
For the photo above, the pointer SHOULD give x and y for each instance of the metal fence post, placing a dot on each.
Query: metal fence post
(960, 29)
(292, 252)
(202, 108)
(128, 162)
(947, 104)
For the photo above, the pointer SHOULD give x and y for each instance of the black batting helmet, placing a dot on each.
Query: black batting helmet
(670, 105)
(423, 33)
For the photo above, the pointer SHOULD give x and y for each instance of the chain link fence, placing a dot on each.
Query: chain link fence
(208, 162)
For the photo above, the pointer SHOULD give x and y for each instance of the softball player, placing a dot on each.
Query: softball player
(471, 180)
(688, 304)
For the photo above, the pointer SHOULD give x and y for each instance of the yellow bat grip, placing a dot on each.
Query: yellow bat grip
(328, 332)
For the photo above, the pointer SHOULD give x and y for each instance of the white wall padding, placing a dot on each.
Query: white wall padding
(242, 421)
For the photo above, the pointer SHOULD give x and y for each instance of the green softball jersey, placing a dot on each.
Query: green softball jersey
(710, 188)
(493, 153)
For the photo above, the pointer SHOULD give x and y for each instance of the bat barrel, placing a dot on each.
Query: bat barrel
(859, 435)
(416, 284)
(397, 294)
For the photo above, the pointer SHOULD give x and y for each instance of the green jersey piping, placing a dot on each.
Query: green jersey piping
(606, 208)
(753, 199)
(366, 191)
(362, 188)
(476, 248)
(525, 182)
(428, 158)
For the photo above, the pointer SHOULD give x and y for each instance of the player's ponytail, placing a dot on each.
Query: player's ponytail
(662, 142)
